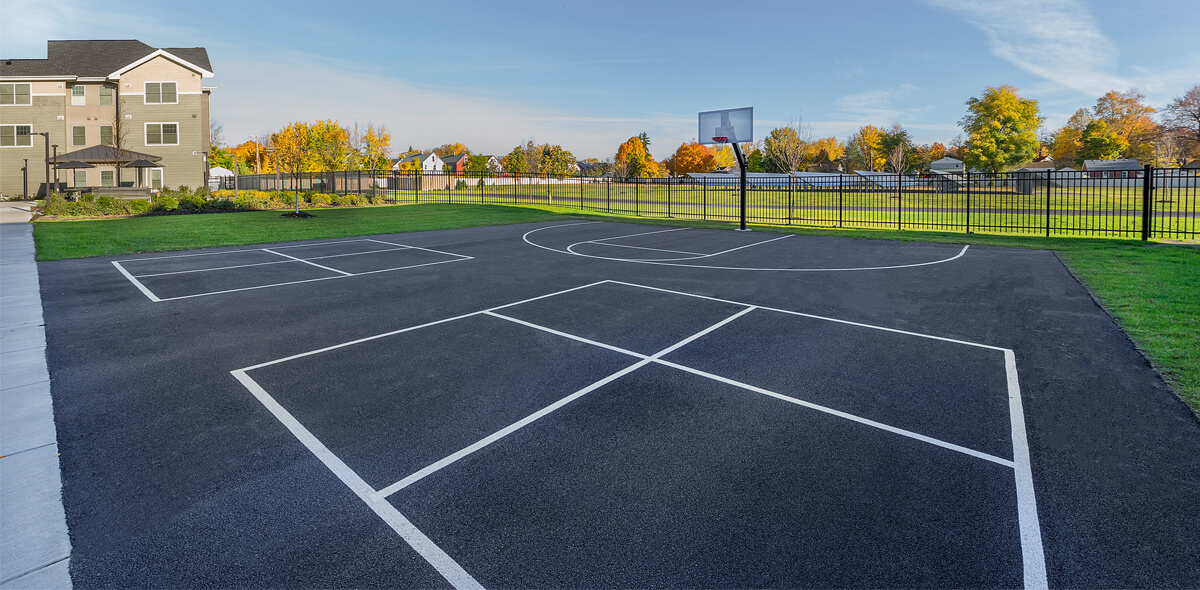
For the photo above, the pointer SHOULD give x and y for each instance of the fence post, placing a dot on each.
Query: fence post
(1048, 208)
(1147, 195)
(637, 210)
(668, 196)
(608, 194)
(899, 202)
(967, 181)
(840, 199)
(790, 199)
(704, 209)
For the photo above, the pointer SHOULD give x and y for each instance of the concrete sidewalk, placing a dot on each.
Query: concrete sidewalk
(34, 547)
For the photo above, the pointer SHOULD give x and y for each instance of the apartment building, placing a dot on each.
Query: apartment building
(105, 103)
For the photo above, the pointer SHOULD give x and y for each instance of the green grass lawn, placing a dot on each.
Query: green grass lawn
(1152, 289)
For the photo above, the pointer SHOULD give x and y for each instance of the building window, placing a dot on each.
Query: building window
(15, 94)
(78, 96)
(79, 135)
(162, 133)
(161, 93)
(106, 95)
(156, 178)
(106, 135)
(80, 178)
(16, 135)
(107, 178)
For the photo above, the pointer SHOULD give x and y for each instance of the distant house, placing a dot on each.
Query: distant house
(430, 162)
(493, 164)
(1113, 168)
(1193, 165)
(1038, 164)
(455, 164)
(947, 164)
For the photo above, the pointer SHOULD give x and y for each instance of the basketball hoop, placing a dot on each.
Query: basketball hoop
(720, 139)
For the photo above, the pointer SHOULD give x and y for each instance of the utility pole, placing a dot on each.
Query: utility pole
(25, 179)
(55, 146)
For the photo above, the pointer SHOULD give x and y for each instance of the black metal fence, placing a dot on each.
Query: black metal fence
(1147, 203)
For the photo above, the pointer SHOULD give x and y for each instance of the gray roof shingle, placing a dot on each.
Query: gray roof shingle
(94, 59)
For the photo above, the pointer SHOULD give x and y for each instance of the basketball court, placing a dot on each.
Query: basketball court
(610, 405)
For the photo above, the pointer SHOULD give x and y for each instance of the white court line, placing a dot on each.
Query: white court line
(181, 272)
(840, 414)
(598, 240)
(145, 290)
(696, 256)
(423, 545)
(815, 317)
(1033, 556)
(507, 430)
(411, 328)
(369, 272)
(242, 251)
(342, 272)
(641, 248)
(667, 262)
(424, 249)
(789, 399)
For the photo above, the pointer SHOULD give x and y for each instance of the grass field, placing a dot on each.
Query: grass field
(1150, 288)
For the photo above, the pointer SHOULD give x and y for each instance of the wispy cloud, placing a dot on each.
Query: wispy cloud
(1058, 40)
(418, 115)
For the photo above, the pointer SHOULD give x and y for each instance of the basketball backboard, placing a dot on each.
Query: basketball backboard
(727, 126)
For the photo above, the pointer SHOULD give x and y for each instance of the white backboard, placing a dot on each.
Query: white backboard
(727, 126)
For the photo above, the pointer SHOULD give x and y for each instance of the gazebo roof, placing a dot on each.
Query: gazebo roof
(101, 154)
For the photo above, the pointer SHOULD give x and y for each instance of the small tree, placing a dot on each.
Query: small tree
(788, 148)
(292, 150)
(117, 147)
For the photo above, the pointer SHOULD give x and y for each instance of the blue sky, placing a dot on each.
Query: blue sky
(590, 75)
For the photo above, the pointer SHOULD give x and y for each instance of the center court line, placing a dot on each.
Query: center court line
(656, 358)
(507, 430)
(341, 272)
(423, 545)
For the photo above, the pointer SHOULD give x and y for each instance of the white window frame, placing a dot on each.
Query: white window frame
(79, 100)
(146, 93)
(73, 128)
(79, 174)
(110, 135)
(29, 94)
(161, 178)
(14, 126)
(146, 132)
(112, 94)
(111, 174)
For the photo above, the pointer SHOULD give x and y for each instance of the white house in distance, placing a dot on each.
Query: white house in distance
(1113, 168)
(947, 164)
(430, 162)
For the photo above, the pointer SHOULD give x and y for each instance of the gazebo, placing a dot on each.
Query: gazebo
(109, 156)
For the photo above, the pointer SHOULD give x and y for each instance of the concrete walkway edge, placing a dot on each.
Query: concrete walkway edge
(35, 549)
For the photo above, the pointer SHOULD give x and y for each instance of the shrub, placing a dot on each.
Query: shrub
(191, 202)
(86, 198)
(460, 185)
(137, 207)
(252, 202)
(347, 200)
(109, 206)
(318, 200)
(165, 203)
(221, 205)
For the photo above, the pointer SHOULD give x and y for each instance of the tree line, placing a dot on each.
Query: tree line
(1000, 131)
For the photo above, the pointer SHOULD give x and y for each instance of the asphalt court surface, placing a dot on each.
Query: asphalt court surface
(535, 417)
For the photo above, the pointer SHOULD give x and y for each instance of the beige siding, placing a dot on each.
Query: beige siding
(180, 167)
(160, 69)
(43, 115)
